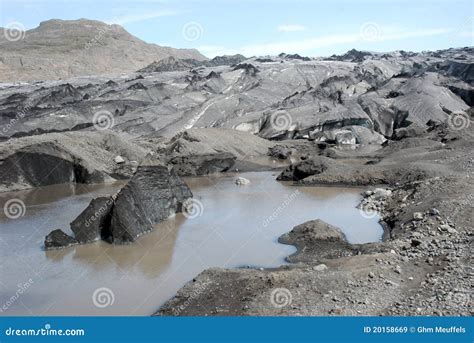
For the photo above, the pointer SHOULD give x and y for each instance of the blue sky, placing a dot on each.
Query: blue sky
(261, 27)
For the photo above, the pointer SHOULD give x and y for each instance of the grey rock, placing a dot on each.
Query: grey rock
(119, 159)
(151, 196)
(418, 216)
(57, 239)
(241, 181)
(301, 170)
(320, 267)
(203, 164)
(93, 222)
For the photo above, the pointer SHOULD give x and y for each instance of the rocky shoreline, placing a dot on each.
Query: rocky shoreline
(424, 267)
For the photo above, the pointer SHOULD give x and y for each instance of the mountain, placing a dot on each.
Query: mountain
(67, 48)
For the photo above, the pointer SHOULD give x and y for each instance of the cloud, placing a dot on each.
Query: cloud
(311, 44)
(291, 28)
(133, 18)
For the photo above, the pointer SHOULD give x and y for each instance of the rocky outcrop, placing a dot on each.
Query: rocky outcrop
(57, 239)
(152, 195)
(206, 151)
(170, 64)
(300, 170)
(316, 237)
(91, 224)
(74, 157)
(176, 64)
(202, 164)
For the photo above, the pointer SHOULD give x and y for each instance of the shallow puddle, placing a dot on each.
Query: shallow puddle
(233, 226)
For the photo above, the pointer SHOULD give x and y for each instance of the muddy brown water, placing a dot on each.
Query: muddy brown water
(236, 226)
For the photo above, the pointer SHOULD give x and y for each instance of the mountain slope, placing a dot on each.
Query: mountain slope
(67, 48)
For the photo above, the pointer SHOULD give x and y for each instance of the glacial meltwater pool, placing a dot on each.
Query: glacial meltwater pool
(235, 226)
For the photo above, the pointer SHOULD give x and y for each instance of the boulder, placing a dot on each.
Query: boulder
(88, 226)
(241, 181)
(316, 237)
(412, 130)
(152, 195)
(344, 137)
(57, 239)
(301, 170)
(119, 159)
(317, 230)
(202, 164)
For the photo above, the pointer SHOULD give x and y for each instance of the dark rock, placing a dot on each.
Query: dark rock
(351, 56)
(225, 60)
(192, 165)
(57, 239)
(280, 151)
(170, 64)
(301, 170)
(316, 237)
(88, 226)
(413, 130)
(249, 68)
(151, 196)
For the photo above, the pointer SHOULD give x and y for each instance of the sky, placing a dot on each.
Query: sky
(264, 27)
